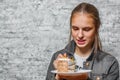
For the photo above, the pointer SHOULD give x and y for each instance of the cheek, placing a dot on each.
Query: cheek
(91, 36)
(73, 34)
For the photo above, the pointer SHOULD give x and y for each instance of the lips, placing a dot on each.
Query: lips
(81, 42)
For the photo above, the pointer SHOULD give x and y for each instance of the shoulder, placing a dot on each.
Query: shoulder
(106, 61)
(106, 57)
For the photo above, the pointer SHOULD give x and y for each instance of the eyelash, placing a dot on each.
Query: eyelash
(75, 28)
(85, 29)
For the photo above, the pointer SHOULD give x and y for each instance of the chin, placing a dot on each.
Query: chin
(81, 46)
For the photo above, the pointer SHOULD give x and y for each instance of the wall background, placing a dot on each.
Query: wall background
(32, 30)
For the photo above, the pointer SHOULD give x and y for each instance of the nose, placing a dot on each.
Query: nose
(80, 33)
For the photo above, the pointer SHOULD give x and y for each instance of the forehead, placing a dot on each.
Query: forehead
(82, 19)
(83, 14)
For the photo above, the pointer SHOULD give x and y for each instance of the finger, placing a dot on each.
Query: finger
(55, 62)
(60, 56)
(57, 77)
(65, 55)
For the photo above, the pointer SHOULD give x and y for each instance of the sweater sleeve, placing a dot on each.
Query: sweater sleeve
(51, 76)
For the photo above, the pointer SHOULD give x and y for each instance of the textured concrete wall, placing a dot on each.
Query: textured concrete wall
(32, 30)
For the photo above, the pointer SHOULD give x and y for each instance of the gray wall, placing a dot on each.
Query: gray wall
(32, 30)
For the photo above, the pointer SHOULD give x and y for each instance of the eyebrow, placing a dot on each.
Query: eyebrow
(83, 27)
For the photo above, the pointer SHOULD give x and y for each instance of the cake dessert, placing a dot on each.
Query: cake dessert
(66, 65)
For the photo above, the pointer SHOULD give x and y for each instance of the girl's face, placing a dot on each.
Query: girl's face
(83, 30)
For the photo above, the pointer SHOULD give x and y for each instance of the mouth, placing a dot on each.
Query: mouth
(80, 42)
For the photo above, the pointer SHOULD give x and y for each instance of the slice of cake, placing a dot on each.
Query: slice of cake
(66, 65)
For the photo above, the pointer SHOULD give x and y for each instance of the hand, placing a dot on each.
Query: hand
(83, 76)
(55, 63)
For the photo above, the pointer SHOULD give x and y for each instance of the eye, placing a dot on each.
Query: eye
(75, 28)
(87, 29)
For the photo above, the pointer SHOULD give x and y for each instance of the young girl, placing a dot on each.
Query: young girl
(85, 48)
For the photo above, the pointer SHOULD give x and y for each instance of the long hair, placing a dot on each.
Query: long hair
(93, 12)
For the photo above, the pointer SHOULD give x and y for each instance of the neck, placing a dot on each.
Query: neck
(83, 52)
